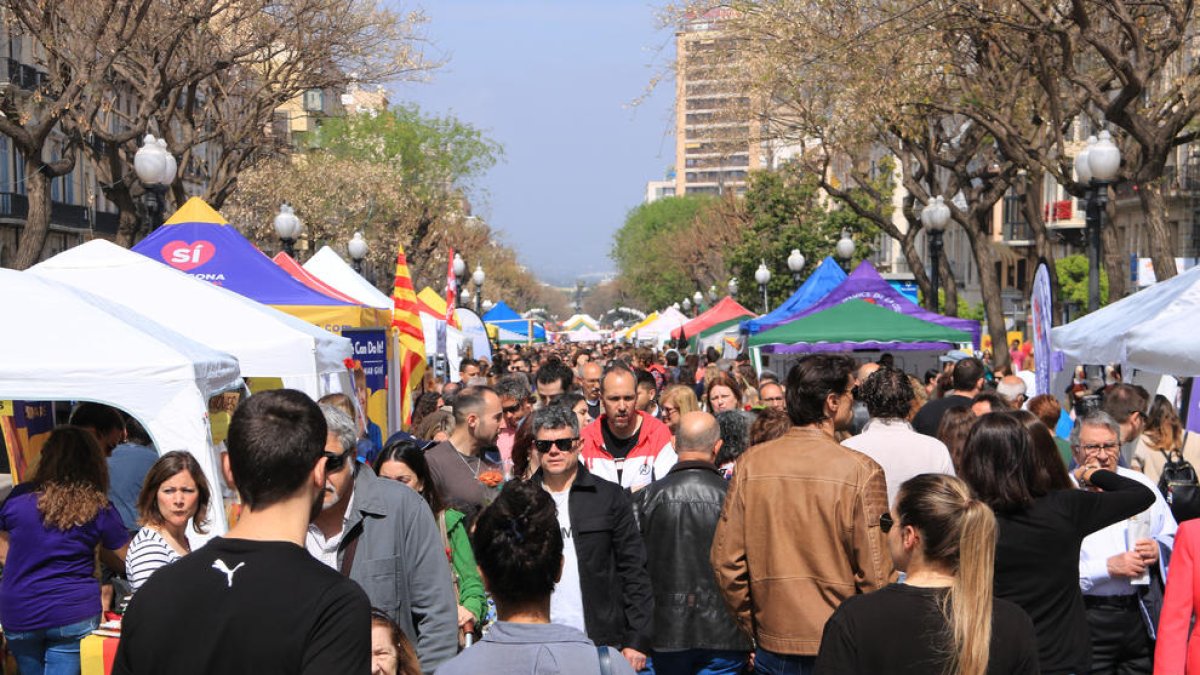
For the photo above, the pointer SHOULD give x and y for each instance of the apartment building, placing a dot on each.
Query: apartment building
(717, 129)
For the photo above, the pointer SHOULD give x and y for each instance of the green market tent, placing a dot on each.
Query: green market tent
(856, 325)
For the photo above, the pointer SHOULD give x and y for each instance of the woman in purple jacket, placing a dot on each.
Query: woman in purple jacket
(49, 531)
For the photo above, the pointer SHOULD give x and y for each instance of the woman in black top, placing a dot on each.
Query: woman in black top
(942, 619)
(1041, 529)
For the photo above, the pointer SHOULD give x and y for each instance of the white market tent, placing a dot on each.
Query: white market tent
(583, 334)
(60, 344)
(329, 267)
(1152, 330)
(659, 330)
(266, 341)
(577, 320)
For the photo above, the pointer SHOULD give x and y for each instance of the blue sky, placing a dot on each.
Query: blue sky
(553, 82)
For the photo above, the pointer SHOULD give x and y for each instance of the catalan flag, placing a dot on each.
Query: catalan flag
(407, 323)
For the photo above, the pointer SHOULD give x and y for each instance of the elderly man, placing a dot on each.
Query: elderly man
(604, 590)
(382, 535)
(771, 394)
(589, 376)
(1012, 389)
(1117, 564)
(678, 515)
(889, 439)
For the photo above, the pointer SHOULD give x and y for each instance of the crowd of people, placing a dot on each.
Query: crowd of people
(614, 509)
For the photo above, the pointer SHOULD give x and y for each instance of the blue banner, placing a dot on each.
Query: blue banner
(370, 349)
(1042, 308)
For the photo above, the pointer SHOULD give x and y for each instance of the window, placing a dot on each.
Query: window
(314, 100)
(5, 165)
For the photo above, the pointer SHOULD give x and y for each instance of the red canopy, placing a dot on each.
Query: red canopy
(293, 268)
(727, 309)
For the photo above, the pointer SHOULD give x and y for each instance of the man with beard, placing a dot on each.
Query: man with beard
(457, 465)
(626, 446)
(383, 536)
(781, 587)
(253, 601)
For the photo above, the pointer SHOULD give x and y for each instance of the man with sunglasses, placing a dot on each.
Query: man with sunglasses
(605, 589)
(799, 531)
(1119, 566)
(383, 536)
(516, 402)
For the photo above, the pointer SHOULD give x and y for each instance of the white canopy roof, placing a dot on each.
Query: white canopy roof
(583, 334)
(329, 267)
(474, 331)
(266, 342)
(1152, 330)
(62, 344)
(660, 329)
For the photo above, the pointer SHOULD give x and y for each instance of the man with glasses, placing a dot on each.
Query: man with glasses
(799, 532)
(771, 395)
(1118, 565)
(516, 401)
(605, 589)
(382, 535)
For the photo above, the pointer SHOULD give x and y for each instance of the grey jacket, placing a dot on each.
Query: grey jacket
(400, 562)
(536, 649)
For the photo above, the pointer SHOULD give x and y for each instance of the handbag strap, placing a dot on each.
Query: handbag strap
(605, 660)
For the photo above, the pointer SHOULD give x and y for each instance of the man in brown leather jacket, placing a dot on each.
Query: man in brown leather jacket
(803, 513)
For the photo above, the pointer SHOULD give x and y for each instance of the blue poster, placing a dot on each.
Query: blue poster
(906, 288)
(370, 349)
(1041, 304)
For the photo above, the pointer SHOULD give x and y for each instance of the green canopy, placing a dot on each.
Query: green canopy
(860, 324)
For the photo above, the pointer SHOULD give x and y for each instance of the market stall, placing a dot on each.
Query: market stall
(61, 344)
(723, 311)
(266, 342)
(514, 328)
(828, 276)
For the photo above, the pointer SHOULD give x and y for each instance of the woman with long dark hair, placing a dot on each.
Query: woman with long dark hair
(404, 461)
(943, 618)
(49, 531)
(519, 546)
(1041, 531)
(174, 492)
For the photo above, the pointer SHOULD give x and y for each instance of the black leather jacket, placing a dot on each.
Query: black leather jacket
(678, 515)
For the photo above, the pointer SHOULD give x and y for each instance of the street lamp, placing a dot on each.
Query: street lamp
(935, 216)
(488, 304)
(288, 227)
(762, 275)
(697, 300)
(155, 168)
(712, 294)
(732, 286)
(358, 250)
(1097, 167)
(795, 263)
(478, 277)
(686, 304)
(845, 248)
(459, 266)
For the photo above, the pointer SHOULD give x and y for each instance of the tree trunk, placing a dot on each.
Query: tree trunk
(1116, 258)
(949, 285)
(1161, 250)
(993, 304)
(129, 226)
(1043, 245)
(37, 221)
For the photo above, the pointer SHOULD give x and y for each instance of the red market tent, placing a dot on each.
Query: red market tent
(727, 309)
(289, 264)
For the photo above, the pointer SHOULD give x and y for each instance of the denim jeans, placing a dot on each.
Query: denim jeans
(770, 663)
(700, 662)
(50, 651)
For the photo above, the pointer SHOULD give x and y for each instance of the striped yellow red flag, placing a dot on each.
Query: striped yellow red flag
(407, 324)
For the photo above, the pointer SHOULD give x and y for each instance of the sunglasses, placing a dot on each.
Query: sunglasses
(334, 462)
(510, 409)
(563, 444)
(886, 522)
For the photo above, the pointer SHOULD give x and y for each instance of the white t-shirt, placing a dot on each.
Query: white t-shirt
(566, 603)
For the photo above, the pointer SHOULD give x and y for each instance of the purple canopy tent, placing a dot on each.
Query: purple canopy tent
(866, 284)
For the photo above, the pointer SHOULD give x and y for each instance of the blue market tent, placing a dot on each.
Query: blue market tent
(506, 318)
(825, 278)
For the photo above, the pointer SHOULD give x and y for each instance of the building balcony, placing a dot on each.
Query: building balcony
(22, 76)
(15, 207)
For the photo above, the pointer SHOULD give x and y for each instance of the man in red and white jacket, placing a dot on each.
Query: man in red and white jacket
(626, 446)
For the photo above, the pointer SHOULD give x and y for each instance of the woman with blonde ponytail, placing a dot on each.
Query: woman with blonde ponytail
(943, 620)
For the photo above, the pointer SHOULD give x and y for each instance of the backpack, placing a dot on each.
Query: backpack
(1180, 487)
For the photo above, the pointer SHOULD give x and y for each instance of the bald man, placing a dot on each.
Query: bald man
(1012, 389)
(678, 515)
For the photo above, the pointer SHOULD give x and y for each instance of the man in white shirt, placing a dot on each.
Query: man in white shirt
(889, 439)
(1118, 564)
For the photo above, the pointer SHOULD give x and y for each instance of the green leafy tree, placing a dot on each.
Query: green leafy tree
(786, 211)
(1073, 277)
(649, 271)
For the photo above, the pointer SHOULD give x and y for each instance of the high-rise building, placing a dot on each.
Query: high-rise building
(716, 144)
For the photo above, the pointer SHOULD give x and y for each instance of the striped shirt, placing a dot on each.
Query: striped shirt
(148, 551)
